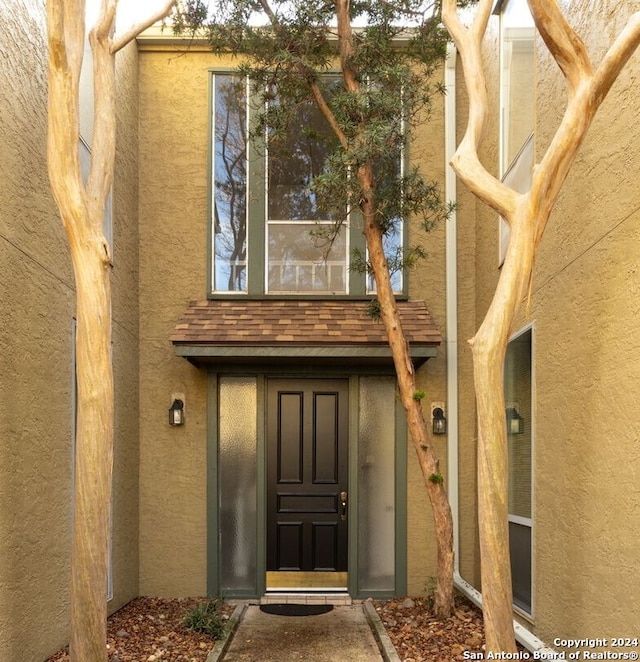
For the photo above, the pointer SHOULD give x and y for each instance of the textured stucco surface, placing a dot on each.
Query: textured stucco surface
(173, 267)
(584, 308)
(427, 283)
(585, 304)
(125, 333)
(37, 294)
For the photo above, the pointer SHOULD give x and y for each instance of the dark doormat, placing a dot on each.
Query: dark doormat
(295, 610)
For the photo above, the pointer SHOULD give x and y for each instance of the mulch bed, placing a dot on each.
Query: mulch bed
(420, 637)
(150, 630)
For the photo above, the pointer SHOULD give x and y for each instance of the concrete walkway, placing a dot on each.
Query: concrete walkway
(341, 634)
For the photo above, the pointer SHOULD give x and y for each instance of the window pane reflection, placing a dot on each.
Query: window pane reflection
(518, 392)
(230, 184)
(303, 255)
(301, 262)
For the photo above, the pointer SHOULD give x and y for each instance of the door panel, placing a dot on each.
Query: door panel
(307, 448)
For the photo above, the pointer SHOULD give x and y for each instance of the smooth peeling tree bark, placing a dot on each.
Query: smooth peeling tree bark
(527, 215)
(82, 207)
(416, 424)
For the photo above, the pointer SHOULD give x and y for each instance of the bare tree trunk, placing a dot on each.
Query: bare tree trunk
(489, 347)
(82, 217)
(527, 215)
(94, 457)
(429, 464)
(405, 372)
(82, 208)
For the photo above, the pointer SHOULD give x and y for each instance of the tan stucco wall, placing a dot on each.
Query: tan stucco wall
(125, 333)
(585, 305)
(173, 266)
(584, 310)
(38, 302)
(173, 216)
(427, 283)
(36, 292)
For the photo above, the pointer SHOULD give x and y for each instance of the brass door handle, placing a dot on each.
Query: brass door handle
(343, 501)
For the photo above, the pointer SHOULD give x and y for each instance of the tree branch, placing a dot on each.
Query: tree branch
(583, 104)
(313, 85)
(465, 161)
(566, 47)
(106, 19)
(266, 7)
(121, 41)
(65, 36)
(616, 57)
(328, 113)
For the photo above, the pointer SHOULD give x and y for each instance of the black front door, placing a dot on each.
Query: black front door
(307, 446)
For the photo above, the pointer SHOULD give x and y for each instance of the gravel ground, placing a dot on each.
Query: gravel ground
(150, 629)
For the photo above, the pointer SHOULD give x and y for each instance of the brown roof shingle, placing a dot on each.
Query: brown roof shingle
(293, 322)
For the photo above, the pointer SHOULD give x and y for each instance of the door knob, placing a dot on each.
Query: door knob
(343, 501)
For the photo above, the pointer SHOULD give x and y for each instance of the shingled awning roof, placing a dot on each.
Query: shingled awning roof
(337, 331)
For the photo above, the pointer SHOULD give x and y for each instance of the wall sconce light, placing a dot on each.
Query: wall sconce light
(439, 422)
(176, 412)
(515, 422)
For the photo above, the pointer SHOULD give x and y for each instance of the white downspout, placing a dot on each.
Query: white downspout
(526, 638)
(451, 284)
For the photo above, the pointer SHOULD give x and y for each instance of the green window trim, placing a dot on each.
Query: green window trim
(252, 257)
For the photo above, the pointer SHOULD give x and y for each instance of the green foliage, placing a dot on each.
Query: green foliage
(293, 47)
(430, 588)
(436, 478)
(374, 309)
(418, 395)
(204, 617)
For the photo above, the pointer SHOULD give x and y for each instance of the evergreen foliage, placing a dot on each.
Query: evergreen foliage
(293, 48)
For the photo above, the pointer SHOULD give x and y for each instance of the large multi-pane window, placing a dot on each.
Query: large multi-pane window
(271, 233)
(519, 413)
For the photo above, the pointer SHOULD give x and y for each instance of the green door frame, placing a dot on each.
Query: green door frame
(213, 511)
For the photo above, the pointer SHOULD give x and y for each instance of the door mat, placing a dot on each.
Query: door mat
(295, 610)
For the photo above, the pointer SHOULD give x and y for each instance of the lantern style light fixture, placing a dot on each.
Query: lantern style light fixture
(515, 422)
(439, 421)
(176, 412)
